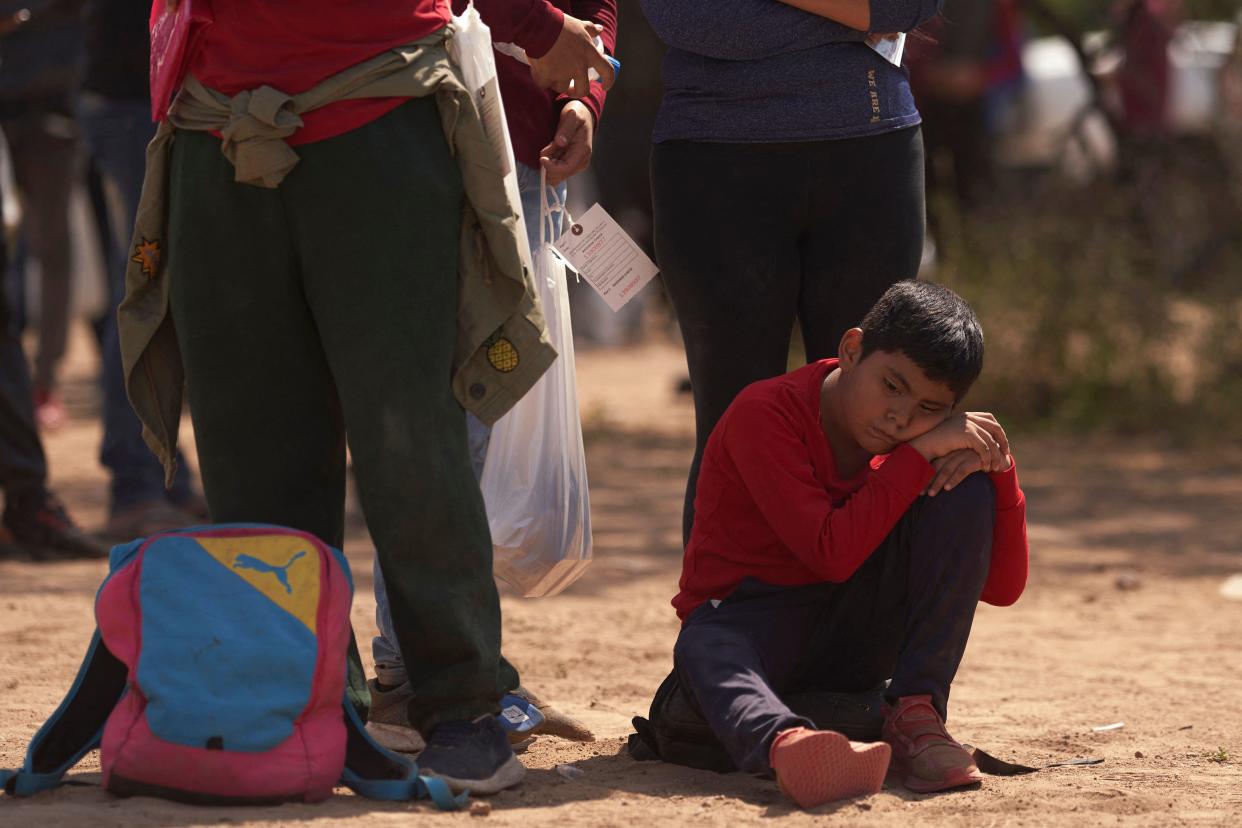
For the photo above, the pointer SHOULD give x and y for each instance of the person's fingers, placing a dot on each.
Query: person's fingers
(548, 152)
(555, 169)
(1002, 439)
(581, 83)
(1000, 447)
(981, 447)
(957, 471)
(952, 480)
(566, 163)
(960, 473)
(942, 477)
(988, 421)
(576, 157)
(942, 466)
(604, 69)
(996, 452)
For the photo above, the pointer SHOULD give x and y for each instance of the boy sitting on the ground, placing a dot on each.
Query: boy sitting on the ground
(842, 538)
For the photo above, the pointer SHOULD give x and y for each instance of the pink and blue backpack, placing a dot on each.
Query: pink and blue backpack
(217, 676)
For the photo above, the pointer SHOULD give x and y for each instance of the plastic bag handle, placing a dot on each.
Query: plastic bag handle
(545, 208)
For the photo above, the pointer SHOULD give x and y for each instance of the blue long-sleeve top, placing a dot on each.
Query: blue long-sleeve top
(742, 71)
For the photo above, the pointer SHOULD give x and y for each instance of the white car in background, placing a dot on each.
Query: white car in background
(1052, 123)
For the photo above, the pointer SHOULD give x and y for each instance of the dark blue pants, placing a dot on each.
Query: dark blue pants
(23, 467)
(905, 615)
(117, 132)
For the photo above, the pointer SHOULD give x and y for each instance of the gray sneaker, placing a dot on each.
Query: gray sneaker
(472, 756)
(389, 721)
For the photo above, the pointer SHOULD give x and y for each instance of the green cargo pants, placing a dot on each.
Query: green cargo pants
(324, 310)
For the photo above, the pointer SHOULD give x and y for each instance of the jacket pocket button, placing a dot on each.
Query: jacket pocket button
(478, 391)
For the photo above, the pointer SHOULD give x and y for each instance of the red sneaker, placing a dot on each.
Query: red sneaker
(924, 752)
(817, 766)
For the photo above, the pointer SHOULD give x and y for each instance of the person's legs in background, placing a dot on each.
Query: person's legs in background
(865, 232)
(116, 132)
(35, 523)
(727, 220)
(43, 145)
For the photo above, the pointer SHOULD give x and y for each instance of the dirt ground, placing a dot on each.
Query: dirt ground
(1123, 621)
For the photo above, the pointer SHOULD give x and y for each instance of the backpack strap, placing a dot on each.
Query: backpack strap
(377, 773)
(75, 728)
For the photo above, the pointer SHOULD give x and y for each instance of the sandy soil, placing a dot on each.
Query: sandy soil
(1123, 621)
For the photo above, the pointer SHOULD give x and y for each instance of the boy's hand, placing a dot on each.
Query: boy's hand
(570, 57)
(569, 153)
(976, 431)
(952, 469)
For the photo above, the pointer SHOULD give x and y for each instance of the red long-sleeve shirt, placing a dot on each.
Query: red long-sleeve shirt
(771, 505)
(530, 110)
(292, 45)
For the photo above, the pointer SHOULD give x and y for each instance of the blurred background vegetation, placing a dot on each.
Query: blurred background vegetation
(1111, 285)
(1094, 14)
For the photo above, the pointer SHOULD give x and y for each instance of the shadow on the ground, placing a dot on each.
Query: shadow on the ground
(89, 804)
(1166, 511)
(612, 774)
(637, 485)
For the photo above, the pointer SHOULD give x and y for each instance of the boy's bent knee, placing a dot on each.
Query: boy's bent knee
(974, 496)
(960, 521)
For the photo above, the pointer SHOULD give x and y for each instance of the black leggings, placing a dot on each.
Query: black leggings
(750, 237)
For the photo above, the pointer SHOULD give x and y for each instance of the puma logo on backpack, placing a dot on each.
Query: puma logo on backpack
(217, 676)
(281, 572)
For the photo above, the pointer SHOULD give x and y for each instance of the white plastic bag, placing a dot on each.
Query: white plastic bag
(470, 47)
(535, 479)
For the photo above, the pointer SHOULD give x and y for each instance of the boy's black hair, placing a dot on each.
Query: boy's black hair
(931, 325)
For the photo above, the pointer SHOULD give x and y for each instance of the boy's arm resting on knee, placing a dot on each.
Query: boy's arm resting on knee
(771, 458)
(1009, 563)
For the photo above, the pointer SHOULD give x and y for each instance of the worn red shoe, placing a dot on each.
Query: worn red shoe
(928, 758)
(817, 766)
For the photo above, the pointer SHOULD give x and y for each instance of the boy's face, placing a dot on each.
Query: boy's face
(887, 399)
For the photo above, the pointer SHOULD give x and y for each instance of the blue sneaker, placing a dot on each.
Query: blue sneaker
(472, 756)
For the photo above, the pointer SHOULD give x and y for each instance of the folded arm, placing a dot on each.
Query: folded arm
(833, 540)
(770, 456)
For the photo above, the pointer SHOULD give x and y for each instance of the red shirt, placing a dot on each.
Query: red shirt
(530, 110)
(771, 506)
(292, 45)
